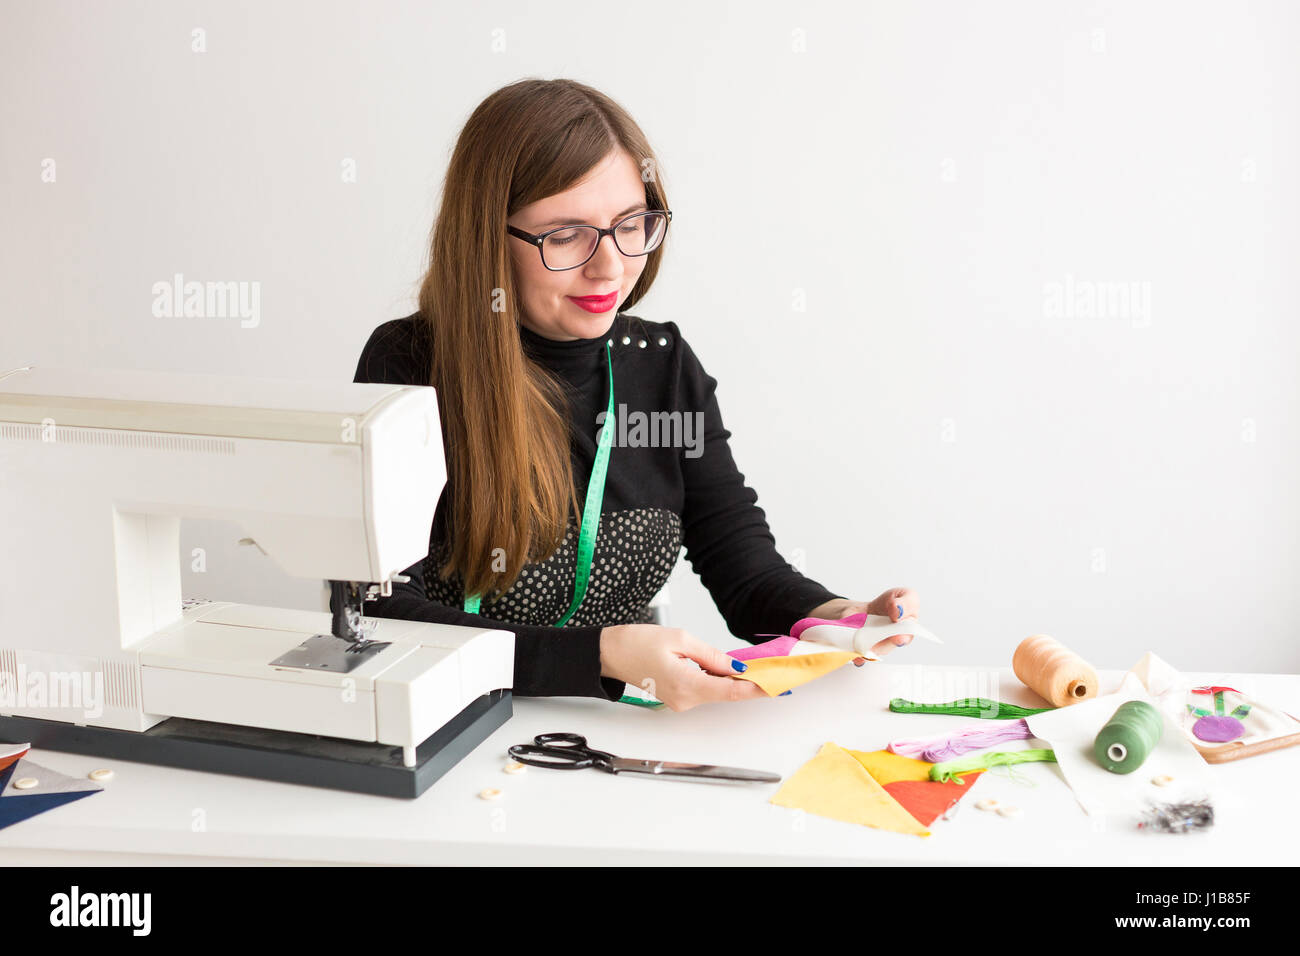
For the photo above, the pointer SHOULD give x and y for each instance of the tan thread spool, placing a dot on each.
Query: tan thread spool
(1053, 671)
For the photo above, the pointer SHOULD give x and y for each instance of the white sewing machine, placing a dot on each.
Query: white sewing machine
(337, 482)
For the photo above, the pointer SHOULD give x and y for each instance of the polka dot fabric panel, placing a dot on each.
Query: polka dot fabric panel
(635, 553)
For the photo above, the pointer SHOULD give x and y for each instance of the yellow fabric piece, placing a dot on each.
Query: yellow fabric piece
(886, 767)
(834, 784)
(776, 675)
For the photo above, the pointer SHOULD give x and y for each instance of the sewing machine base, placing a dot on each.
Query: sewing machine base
(274, 754)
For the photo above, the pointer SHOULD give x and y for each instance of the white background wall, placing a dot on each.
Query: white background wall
(875, 204)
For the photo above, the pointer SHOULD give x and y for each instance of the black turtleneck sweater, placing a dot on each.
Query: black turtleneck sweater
(672, 482)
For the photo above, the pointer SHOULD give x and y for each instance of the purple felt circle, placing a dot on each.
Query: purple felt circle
(1215, 729)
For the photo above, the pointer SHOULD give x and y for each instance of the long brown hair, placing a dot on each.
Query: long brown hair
(504, 417)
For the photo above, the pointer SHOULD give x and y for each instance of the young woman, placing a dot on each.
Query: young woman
(551, 226)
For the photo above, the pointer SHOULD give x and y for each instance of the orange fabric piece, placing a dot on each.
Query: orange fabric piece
(776, 675)
(927, 800)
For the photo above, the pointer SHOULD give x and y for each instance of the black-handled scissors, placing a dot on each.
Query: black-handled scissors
(570, 752)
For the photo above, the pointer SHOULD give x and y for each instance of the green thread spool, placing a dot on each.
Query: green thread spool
(1129, 736)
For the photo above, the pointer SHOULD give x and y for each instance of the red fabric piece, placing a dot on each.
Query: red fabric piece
(928, 800)
(8, 761)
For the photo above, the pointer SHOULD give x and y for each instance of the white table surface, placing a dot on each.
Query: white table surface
(151, 814)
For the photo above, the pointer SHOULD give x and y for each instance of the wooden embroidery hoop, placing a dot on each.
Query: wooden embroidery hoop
(1225, 752)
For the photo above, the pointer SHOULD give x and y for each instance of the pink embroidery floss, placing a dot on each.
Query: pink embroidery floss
(948, 746)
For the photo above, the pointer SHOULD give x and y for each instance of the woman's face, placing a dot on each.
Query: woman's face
(612, 191)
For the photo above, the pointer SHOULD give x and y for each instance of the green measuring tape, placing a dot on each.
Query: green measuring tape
(590, 519)
(590, 511)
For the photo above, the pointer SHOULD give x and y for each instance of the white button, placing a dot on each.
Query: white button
(986, 805)
(26, 783)
(103, 773)
(1009, 811)
(641, 343)
(662, 340)
(513, 767)
(491, 793)
(627, 340)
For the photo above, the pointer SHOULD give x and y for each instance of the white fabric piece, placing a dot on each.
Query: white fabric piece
(877, 628)
(1072, 732)
(801, 647)
(1158, 677)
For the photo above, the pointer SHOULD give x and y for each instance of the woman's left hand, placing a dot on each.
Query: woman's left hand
(896, 604)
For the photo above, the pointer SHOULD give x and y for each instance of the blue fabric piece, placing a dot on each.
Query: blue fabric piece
(16, 809)
(18, 805)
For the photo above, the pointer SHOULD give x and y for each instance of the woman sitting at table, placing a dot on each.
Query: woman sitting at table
(551, 227)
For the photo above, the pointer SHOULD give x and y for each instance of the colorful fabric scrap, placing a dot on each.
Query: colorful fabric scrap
(776, 675)
(872, 788)
(787, 661)
(780, 664)
(776, 666)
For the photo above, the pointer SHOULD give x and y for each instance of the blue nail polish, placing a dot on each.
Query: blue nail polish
(785, 693)
(739, 666)
(900, 612)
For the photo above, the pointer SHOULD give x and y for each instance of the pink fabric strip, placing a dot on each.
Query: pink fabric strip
(854, 621)
(780, 647)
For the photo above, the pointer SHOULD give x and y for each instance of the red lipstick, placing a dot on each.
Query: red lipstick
(594, 303)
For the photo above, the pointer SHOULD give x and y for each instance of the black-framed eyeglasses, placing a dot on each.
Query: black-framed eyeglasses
(571, 246)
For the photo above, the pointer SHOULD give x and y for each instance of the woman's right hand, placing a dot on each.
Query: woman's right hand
(661, 661)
